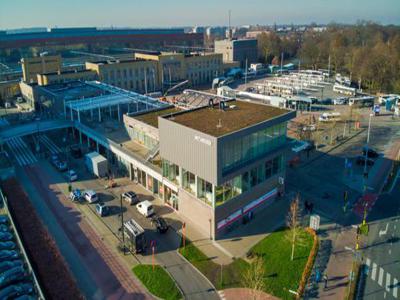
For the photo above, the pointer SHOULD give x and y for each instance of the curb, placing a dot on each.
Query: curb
(173, 279)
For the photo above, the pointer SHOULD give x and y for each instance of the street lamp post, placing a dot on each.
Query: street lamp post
(365, 168)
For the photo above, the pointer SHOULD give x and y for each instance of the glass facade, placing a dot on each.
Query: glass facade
(204, 190)
(241, 151)
(142, 137)
(170, 171)
(249, 179)
(189, 181)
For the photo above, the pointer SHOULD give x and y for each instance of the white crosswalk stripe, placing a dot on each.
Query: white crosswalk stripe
(373, 273)
(380, 278)
(395, 287)
(368, 262)
(21, 152)
(387, 287)
(53, 148)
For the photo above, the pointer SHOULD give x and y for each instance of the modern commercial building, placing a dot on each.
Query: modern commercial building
(65, 76)
(31, 66)
(237, 50)
(139, 75)
(172, 68)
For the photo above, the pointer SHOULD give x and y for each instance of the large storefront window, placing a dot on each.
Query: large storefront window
(170, 171)
(243, 150)
(248, 180)
(189, 181)
(204, 190)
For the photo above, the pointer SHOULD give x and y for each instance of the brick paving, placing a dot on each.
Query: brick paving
(113, 279)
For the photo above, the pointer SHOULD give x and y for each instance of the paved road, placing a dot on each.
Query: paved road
(382, 250)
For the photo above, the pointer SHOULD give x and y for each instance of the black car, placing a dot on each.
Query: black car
(76, 151)
(360, 160)
(160, 223)
(13, 275)
(4, 219)
(130, 197)
(7, 245)
(16, 290)
(8, 255)
(6, 236)
(371, 153)
(7, 265)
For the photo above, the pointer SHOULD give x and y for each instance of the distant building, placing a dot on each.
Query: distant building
(65, 76)
(255, 34)
(238, 50)
(31, 66)
(198, 68)
(9, 89)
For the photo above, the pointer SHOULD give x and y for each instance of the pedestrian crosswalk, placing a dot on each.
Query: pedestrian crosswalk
(384, 279)
(21, 152)
(53, 148)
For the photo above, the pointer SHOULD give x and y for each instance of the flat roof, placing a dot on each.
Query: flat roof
(244, 114)
(151, 118)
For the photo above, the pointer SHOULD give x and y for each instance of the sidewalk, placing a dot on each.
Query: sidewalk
(334, 261)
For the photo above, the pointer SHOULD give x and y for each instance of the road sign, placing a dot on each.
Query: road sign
(314, 222)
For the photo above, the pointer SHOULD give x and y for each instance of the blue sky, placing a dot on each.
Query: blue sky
(149, 13)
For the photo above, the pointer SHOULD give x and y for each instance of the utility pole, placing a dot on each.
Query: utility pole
(365, 175)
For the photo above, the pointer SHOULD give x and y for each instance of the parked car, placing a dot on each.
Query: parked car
(340, 101)
(72, 176)
(160, 224)
(130, 197)
(6, 236)
(54, 158)
(326, 101)
(4, 219)
(9, 264)
(13, 275)
(371, 153)
(61, 165)
(313, 100)
(300, 146)
(4, 228)
(102, 209)
(7, 245)
(145, 208)
(75, 195)
(360, 160)
(16, 290)
(90, 196)
(8, 255)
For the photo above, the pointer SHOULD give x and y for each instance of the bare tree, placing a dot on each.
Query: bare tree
(294, 224)
(254, 277)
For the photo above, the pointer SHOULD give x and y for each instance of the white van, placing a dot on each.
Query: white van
(145, 208)
(329, 117)
(90, 196)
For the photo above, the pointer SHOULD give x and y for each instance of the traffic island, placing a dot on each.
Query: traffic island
(280, 275)
(157, 281)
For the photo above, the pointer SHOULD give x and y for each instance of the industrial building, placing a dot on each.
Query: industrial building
(65, 76)
(31, 66)
(238, 50)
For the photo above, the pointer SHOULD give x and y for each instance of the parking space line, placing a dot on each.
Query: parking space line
(395, 287)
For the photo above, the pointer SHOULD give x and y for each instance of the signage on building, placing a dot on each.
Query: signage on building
(233, 217)
(202, 140)
(314, 222)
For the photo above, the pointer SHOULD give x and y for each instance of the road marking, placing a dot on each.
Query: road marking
(395, 284)
(373, 273)
(383, 232)
(368, 262)
(390, 251)
(387, 282)
(380, 278)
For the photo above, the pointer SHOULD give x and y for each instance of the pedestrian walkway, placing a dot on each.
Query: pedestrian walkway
(335, 257)
(384, 279)
(21, 151)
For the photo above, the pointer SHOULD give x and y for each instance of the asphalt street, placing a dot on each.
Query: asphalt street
(381, 252)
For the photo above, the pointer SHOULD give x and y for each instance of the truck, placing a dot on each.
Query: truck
(96, 164)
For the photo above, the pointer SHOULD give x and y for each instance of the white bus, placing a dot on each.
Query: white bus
(342, 89)
(364, 101)
(330, 117)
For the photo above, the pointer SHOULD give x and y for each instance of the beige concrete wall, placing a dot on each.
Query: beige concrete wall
(37, 65)
(45, 79)
(9, 89)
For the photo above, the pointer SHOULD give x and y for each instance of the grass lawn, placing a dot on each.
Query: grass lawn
(158, 282)
(275, 249)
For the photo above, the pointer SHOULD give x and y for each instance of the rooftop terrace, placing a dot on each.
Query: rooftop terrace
(151, 118)
(236, 116)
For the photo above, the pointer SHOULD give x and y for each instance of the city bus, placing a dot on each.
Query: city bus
(343, 89)
(364, 101)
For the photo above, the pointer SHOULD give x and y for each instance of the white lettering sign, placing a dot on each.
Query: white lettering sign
(202, 140)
